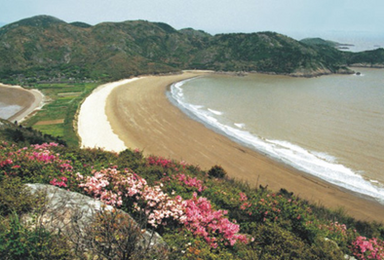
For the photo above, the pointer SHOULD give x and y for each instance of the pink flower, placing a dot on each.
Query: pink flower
(196, 214)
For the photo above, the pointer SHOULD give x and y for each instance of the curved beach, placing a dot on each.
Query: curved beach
(28, 100)
(140, 114)
(92, 124)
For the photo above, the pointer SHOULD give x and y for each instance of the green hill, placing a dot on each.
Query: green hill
(45, 48)
(319, 41)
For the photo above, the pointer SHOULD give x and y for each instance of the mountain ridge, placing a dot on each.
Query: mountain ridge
(46, 48)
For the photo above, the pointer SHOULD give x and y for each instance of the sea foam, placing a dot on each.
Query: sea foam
(318, 164)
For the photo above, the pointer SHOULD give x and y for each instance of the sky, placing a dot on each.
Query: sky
(295, 18)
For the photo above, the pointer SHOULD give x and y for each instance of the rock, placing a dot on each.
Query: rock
(63, 207)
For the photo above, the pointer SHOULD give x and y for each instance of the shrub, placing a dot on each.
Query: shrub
(217, 172)
(364, 248)
(114, 235)
(14, 197)
(20, 240)
(273, 242)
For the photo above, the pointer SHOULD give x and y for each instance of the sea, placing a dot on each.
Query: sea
(8, 110)
(331, 127)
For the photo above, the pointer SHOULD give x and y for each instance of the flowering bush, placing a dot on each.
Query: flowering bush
(190, 182)
(33, 163)
(160, 161)
(364, 248)
(202, 220)
(110, 185)
(62, 183)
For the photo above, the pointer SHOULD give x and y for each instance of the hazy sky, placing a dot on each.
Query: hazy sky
(214, 16)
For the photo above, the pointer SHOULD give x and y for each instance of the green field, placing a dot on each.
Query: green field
(62, 102)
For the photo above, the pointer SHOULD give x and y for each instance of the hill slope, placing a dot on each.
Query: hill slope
(199, 214)
(44, 47)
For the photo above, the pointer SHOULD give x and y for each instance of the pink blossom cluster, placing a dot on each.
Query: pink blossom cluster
(110, 185)
(243, 196)
(160, 161)
(202, 220)
(159, 207)
(190, 182)
(245, 205)
(368, 249)
(5, 163)
(12, 158)
(40, 153)
(62, 182)
(44, 146)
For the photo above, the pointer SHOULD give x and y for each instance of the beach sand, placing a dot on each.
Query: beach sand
(92, 124)
(29, 100)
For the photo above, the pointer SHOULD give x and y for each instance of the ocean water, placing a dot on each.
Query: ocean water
(7, 111)
(359, 40)
(331, 127)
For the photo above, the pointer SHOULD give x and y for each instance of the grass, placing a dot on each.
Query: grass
(54, 130)
(61, 106)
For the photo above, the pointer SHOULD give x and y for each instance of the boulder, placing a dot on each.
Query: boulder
(63, 209)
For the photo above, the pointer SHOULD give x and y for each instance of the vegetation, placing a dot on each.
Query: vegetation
(46, 49)
(200, 215)
(58, 116)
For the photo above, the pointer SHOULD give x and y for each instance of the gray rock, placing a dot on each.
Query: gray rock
(63, 209)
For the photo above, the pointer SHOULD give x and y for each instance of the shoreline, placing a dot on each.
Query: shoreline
(29, 100)
(143, 117)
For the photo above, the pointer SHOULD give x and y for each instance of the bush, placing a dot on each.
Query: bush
(30, 239)
(114, 235)
(273, 242)
(217, 172)
(14, 197)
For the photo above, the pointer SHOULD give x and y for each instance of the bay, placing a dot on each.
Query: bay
(331, 126)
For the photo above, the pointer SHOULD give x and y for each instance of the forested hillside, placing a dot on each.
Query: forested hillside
(44, 48)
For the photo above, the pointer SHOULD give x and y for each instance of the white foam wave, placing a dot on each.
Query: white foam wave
(239, 125)
(215, 112)
(319, 164)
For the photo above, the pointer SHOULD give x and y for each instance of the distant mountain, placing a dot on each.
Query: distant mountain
(319, 41)
(46, 48)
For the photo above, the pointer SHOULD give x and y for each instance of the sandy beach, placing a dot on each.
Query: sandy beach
(28, 100)
(93, 126)
(139, 115)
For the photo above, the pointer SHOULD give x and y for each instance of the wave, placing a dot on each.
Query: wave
(239, 125)
(318, 164)
(215, 112)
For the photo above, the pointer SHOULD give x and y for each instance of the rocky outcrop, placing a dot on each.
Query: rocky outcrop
(64, 210)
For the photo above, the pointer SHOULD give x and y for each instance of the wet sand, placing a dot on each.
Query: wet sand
(142, 117)
(28, 100)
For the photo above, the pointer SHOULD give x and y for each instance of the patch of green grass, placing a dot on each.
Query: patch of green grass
(54, 130)
(61, 107)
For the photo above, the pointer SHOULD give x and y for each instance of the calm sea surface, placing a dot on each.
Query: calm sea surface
(6, 110)
(331, 126)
